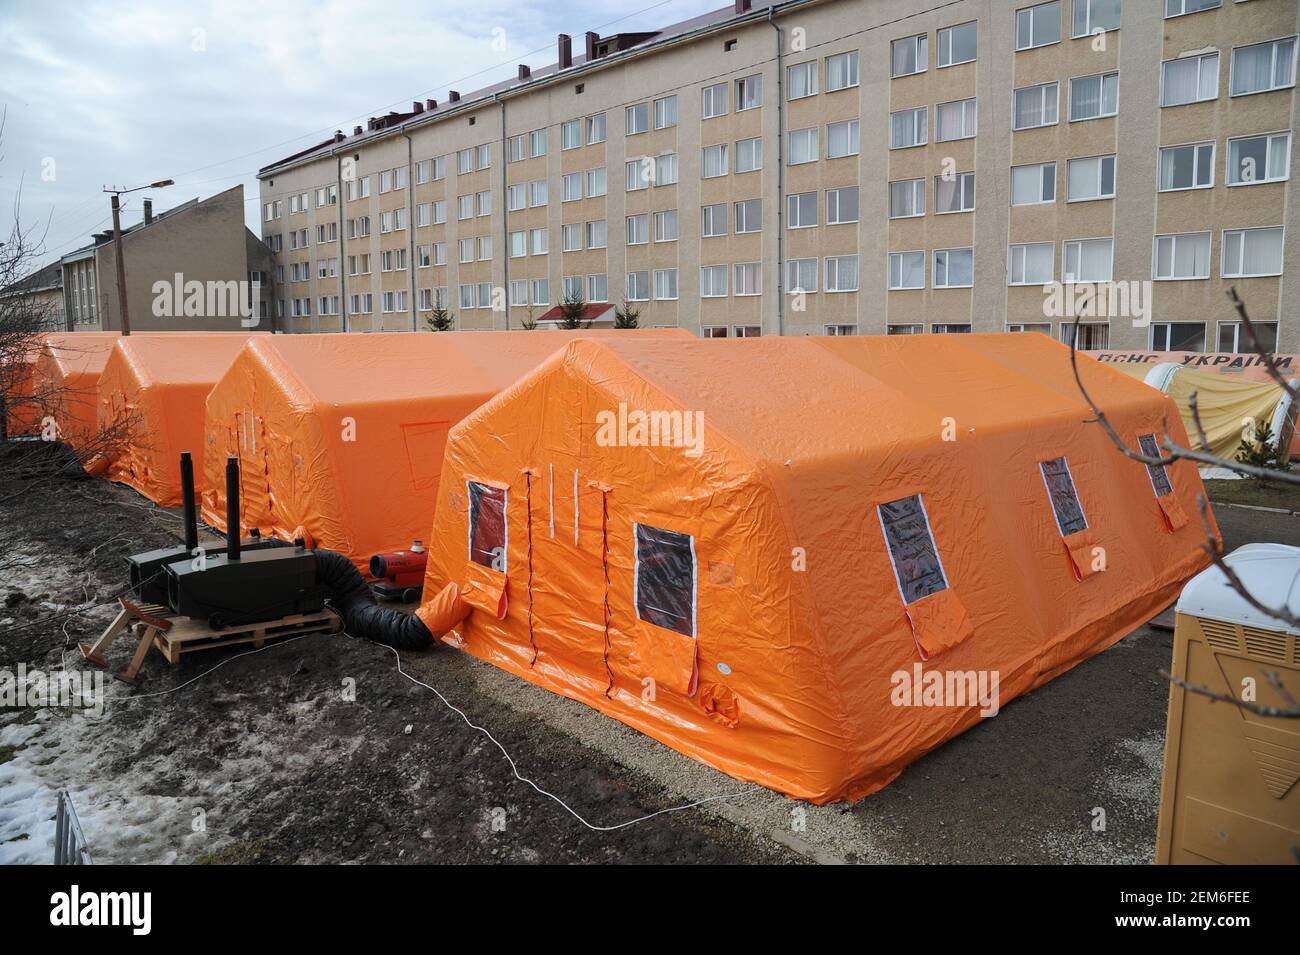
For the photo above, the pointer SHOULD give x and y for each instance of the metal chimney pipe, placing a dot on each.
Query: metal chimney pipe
(232, 508)
(187, 499)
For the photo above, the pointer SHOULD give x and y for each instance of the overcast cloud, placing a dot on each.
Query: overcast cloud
(205, 93)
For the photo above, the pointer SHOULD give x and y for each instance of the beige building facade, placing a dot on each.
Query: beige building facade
(205, 243)
(832, 167)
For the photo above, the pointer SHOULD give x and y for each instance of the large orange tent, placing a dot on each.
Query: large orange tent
(764, 553)
(65, 374)
(342, 435)
(155, 388)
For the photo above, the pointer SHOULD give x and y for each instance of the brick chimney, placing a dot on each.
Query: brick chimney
(565, 57)
(453, 96)
(591, 45)
(431, 104)
(338, 136)
(524, 71)
(417, 107)
(742, 6)
(148, 211)
(356, 131)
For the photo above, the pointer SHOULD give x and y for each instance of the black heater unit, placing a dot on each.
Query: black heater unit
(239, 586)
(148, 571)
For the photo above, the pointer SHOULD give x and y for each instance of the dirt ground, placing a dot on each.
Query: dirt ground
(319, 750)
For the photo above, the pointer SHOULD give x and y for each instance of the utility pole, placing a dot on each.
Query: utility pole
(117, 245)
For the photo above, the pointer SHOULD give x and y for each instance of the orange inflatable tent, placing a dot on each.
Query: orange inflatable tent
(342, 435)
(157, 386)
(67, 369)
(765, 553)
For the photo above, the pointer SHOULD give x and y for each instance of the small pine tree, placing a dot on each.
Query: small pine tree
(571, 310)
(625, 316)
(441, 320)
(529, 323)
(1262, 452)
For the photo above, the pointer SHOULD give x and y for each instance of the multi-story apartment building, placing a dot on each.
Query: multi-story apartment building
(811, 167)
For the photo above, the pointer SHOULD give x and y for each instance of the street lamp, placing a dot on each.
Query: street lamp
(117, 244)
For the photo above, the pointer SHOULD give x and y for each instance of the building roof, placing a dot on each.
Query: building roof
(590, 313)
(102, 238)
(46, 278)
(623, 45)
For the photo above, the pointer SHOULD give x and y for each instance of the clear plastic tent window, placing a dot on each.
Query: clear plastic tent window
(911, 548)
(487, 525)
(665, 579)
(1159, 476)
(1064, 497)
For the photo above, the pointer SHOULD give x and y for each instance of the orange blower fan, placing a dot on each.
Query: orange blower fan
(399, 574)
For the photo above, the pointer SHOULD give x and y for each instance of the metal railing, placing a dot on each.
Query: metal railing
(70, 846)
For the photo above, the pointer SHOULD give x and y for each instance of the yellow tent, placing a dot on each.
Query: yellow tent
(1229, 408)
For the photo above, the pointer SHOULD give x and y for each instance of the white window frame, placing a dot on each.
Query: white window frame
(1100, 78)
(1041, 167)
(1286, 165)
(889, 270)
(1101, 167)
(1201, 59)
(1030, 10)
(1225, 272)
(1066, 278)
(934, 265)
(1172, 238)
(1042, 89)
(1196, 148)
(920, 54)
(946, 33)
(914, 183)
(1232, 65)
(1023, 249)
(918, 113)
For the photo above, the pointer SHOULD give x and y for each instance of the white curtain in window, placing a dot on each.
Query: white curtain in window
(1263, 66)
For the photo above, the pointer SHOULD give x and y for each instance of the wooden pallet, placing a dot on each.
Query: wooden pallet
(175, 636)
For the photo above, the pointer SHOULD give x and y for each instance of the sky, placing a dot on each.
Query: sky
(126, 93)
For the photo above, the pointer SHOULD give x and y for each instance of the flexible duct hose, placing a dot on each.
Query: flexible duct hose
(351, 597)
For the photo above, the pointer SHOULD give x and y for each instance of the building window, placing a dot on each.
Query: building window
(749, 93)
(801, 210)
(516, 197)
(464, 161)
(664, 169)
(802, 80)
(665, 572)
(1035, 106)
(1031, 264)
(948, 328)
(537, 193)
(747, 278)
(749, 155)
(570, 237)
(1189, 79)
(519, 292)
(637, 174)
(1038, 26)
(714, 163)
(801, 275)
(1263, 66)
(638, 286)
(749, 216)
(484, 161)
(842, 273)
(1177, 336)
(1087, 260)
(1092, 97)
(909, 127)
(570, 134)
(1233, 336)
(954, 268)
(541, 290)
(597, 234)
(1252, 252)
(957, 44)
(842, 139)
(713, 221)
(537, 143)
(904, 329)
(835, 331)
(571, 187)
(638, 229)
(713, 281)
(1184, 256)
(1092, 16)
(1256, 159)
(1187, 167)
(666, 226)
(714, 101)
(803, 146)
(907, 198)
(713, 331)
(1034, 184)
(596, 182)
(464, 207)
(842, 205)
(1092, 178)
(483, 202)
(638, 119)
(665, 285)
(595, 129)
(666, 112)
(906, 270)
(909, 55)
(1177, 8)
(842, 70)
(539, 240)
(954, 193)
(955, 121)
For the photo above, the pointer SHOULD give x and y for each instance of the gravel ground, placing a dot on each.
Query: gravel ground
(319, 750)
